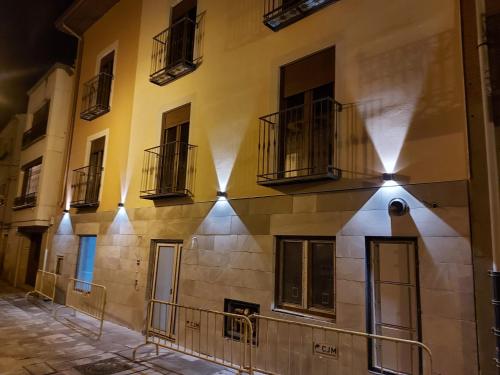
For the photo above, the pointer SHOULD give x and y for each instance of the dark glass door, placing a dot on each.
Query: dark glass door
(33, 258)
(96, 160)
(181, 37)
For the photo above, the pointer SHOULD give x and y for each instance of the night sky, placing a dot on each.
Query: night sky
(29, 45)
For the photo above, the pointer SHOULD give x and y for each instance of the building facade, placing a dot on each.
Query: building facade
(307, 164)
(10, 148)
(38, 191)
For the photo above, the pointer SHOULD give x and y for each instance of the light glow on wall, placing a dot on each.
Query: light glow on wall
(373, 217)
(65, 225)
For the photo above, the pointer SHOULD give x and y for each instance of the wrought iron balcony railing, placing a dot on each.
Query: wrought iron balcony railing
(25, 201)
(85, 186)
(95, 98)
(168, 170)
(30, 136)
(299, 144)
(281, 13)
(176, 51)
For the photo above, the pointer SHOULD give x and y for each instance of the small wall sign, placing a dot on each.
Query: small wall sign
(326, 350)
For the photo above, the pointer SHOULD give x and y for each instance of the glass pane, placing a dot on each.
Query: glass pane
(291, 272)
(321, 275)
(86, 256)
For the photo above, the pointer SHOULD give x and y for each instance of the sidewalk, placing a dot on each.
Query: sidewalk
(33, 342)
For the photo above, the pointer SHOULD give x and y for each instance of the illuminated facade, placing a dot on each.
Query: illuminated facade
(36, 191)
(316, 168)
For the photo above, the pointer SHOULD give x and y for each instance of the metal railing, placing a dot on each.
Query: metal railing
(176, 51)
(86, 298)
(198, 333)
(168, 170)
(45, 285)
(31, 135)
(281, 13)
(23, 201)
(288, 347)
(96, 95)
(85, 186)
(299, 143)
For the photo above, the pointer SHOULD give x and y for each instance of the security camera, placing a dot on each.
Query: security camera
(398, 207)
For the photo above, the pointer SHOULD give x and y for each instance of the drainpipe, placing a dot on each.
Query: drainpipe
(67, 155)
(492, 168)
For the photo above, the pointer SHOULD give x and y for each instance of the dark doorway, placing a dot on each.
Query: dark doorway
(174, 150)
(182, 31)
(96, 160)
(105, 79)
(33, 258)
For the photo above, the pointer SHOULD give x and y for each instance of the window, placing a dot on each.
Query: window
(306, 275)
(85, 264)
(38, 126)
(86, 181)
(97, 91)
(174, 53)
(29, 187)
(393, 305)
(298, 142)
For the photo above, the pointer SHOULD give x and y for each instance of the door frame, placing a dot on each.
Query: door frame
(155, 245)
(369, 300)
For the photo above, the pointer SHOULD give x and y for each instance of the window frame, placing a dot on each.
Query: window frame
(26, 170)
(306, 307)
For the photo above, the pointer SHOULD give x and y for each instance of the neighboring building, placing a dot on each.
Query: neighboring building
(41, 167)
(10, 148)
(228, 159)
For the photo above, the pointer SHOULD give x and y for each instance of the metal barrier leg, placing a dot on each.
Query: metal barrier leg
(134, 352)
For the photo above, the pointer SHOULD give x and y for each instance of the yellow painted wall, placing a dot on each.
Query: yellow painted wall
(399, 62)
(119, 26)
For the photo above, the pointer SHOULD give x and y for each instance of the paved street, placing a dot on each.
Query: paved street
(33, 342)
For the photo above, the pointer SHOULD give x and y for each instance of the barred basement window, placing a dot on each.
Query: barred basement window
(305, 275)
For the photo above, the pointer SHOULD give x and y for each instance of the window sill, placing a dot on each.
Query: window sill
(324, 317)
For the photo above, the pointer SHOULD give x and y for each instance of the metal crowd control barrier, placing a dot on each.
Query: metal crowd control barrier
(199, 333)
(86, 298)
(45, 285)
(287, 347)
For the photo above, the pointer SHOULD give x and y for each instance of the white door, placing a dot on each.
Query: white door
(165, 277)
(394, 308)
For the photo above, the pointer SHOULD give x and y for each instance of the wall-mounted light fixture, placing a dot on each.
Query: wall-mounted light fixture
(121, 204)
(388, 176)
(221, 194)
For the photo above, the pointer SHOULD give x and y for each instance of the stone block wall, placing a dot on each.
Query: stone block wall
(229, 252)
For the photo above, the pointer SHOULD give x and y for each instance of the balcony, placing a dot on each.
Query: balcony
(281, 13)
(168, 171)
(85, 186)
(174, 53)
(96, 94)
(24, 201)
(32, 135)
(299, 144)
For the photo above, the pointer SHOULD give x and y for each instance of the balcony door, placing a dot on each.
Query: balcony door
(96, 160)
(306, 115)
(164, 286)
(182, 31)
(105, 79)
(174, 150)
